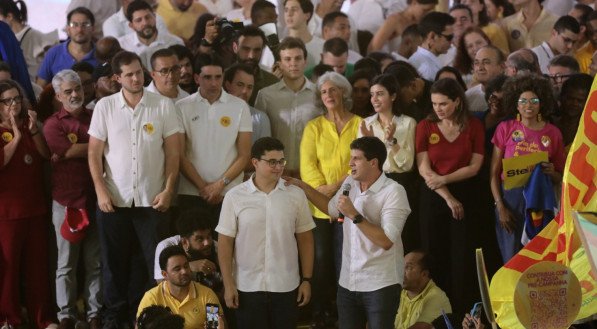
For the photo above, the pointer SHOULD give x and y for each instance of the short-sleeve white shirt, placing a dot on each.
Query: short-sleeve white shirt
(117, 25)
(264, 228)
(132, 43)
(365, 265)
(211, 131)
(181, 93)
(134, 145)
(288, 113)
(544, 54)
(426, 63)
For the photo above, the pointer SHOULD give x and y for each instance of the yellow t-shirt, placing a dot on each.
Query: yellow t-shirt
(192, 308)
(584, 55)
(325, 154)
(425, 307)
(497, 36)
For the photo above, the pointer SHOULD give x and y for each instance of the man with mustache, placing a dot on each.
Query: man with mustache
(72, 187)
(146, 39)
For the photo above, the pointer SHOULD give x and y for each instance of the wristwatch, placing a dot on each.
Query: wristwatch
(358, 218)
(226, 180)
(306, 280)
(391, 142)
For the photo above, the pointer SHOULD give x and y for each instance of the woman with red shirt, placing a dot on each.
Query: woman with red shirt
(449, 147)
(23, 220)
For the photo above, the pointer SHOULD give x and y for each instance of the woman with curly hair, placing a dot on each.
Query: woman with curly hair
(530, 100)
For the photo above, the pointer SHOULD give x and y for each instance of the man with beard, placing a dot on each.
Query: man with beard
(248, 48)
(165, 72)
(195, 238)
(179, 292)
(79, 47)
(105, 82)
(180, 16)
(72, 189)
(185, 60)
(145, 40)
(133, 159)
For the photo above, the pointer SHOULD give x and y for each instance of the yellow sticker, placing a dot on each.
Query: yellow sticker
(6, 136)
(72, 138)
(225, 121)
(517, 136)
(148, 127)
(433, 138)
(545, 140)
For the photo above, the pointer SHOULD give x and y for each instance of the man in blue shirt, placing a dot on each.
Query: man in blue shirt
(79, 46)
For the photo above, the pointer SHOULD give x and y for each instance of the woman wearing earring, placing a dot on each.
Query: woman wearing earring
(531, 100)
(450, 147)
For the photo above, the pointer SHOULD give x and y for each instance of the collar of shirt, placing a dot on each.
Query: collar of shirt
(423, 293)
(520, 16)
(121, 16)
(253, 188)
(89, 55)
(122, 101)
(191, 295)
(307, 85)
(224, 97)
(428, 54)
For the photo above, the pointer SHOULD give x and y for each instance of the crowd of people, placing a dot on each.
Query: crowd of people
(209, 164)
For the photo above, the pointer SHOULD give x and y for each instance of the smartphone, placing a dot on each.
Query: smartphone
(476, 310)
(212, 315)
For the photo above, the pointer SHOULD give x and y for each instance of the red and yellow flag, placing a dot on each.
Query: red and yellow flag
(558, 241)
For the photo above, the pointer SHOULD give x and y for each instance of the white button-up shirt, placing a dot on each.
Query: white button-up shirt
(181, 93)
(426, 63)
(134, 145)
(544, 54)
(288, 113)
(365, 265)
(132, 43)
(211, 131)
(264, 228)
(117, 25)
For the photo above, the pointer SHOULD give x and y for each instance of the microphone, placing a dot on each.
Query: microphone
(345, 191)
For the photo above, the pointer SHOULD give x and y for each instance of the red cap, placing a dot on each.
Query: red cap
(74, 226)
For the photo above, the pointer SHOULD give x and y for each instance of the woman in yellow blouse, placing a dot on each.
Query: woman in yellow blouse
(325, 153)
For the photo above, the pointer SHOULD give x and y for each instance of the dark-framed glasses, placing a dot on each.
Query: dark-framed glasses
(169, 70)
(532, 101)
(559, 77)
(448, 37)
(9, 101)
(273, 162)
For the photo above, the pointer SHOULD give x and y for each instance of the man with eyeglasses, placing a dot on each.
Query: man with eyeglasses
(265, 234)
(563, 36)
(165, 72)
(560, 68)
(437, 30)
(216, 139)
(489, 62)
(79, 46)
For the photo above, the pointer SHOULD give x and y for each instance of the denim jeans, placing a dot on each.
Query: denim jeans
(376, 308)
(509, 243)
(267, 310)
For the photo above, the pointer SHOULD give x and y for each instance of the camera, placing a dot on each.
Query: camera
(227, 30)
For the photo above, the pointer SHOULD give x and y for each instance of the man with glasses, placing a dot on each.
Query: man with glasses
(79, 46)
(265, 227)
(165, 72)
(489, 63)
(216, 140)
(437, 30)
(560, 68)
(563, 36)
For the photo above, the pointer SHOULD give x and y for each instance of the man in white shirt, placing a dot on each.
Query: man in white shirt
(216, 141)
(165, 72)
(337, 25)
(437, 31)
(489, 63)
(374, 213)
(146, 39)
(133, 159)
(563, 36)
(265, 227)
(289, 103)
(297, 14)
(117, 25)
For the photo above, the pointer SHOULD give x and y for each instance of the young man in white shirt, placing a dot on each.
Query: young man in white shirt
(297, 14)
(133, 159)
(563, 36)
(165, 72)
(374, 213)
(265, 227)
(437, 31)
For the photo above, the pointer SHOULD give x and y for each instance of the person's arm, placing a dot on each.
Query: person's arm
(78, 150)
(10, 148)
(317, 198)
(505, 216)
(385, 32)
(465, 172)
(225, 252)
(403, 153)
(161, 202)
(373, 232)
(96, 167)
(36, 133)
(306, 249)
(186, 166)
(424, 165)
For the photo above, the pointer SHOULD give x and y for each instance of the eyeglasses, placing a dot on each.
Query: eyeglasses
(532, 101)
(167, 70)
(273, 162)
(84, 25)
(9, 101)
(494, 99)
(448, 37)
(559, 77)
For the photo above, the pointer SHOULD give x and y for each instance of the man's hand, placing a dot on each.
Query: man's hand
(212, 192)
(204, 266)
(161, 202)
(231, 296)
(304, 293)
(346, 207)
(211, 30)
(104, 200)
(471, 322)
(328, 190)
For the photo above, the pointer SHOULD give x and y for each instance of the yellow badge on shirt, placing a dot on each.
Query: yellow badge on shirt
(545, 140)
(6, 136)
(148, 128)
(433, 138)
(225, 121)
(72, 138)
